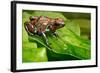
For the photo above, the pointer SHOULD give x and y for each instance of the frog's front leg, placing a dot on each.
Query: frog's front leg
(44, 36)
(55, 34)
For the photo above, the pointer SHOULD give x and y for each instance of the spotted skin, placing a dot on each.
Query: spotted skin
(39, 24)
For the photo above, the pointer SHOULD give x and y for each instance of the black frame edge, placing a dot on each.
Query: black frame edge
(13, 36)
(96, 35)
(55, 4)
(57, 68)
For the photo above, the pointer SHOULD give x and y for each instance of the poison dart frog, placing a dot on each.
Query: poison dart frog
(41, 24)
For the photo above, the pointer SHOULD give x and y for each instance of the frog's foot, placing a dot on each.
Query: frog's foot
(28, 32)
(55, 34)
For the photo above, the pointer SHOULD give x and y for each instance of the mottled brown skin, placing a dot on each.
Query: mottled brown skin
(42, 24)
(38, 25)
(56, 24)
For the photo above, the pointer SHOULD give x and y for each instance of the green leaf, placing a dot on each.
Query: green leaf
(84, 26)
(30, 51)
(69, 36)
(33, 54)
(52, 56)
(68, 46)
(69, 41)
(73, 27)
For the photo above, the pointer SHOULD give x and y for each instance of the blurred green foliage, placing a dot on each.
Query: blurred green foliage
(70, 45)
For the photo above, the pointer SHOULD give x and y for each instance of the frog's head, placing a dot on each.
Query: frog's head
(59, 22)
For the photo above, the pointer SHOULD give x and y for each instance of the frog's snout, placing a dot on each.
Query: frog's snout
(62, 24)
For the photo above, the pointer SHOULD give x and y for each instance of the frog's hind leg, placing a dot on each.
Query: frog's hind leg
(28, 32)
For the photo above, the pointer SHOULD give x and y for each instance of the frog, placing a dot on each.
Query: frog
(39, 25)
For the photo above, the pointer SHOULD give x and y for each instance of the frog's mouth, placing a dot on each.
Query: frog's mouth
(60, 25)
